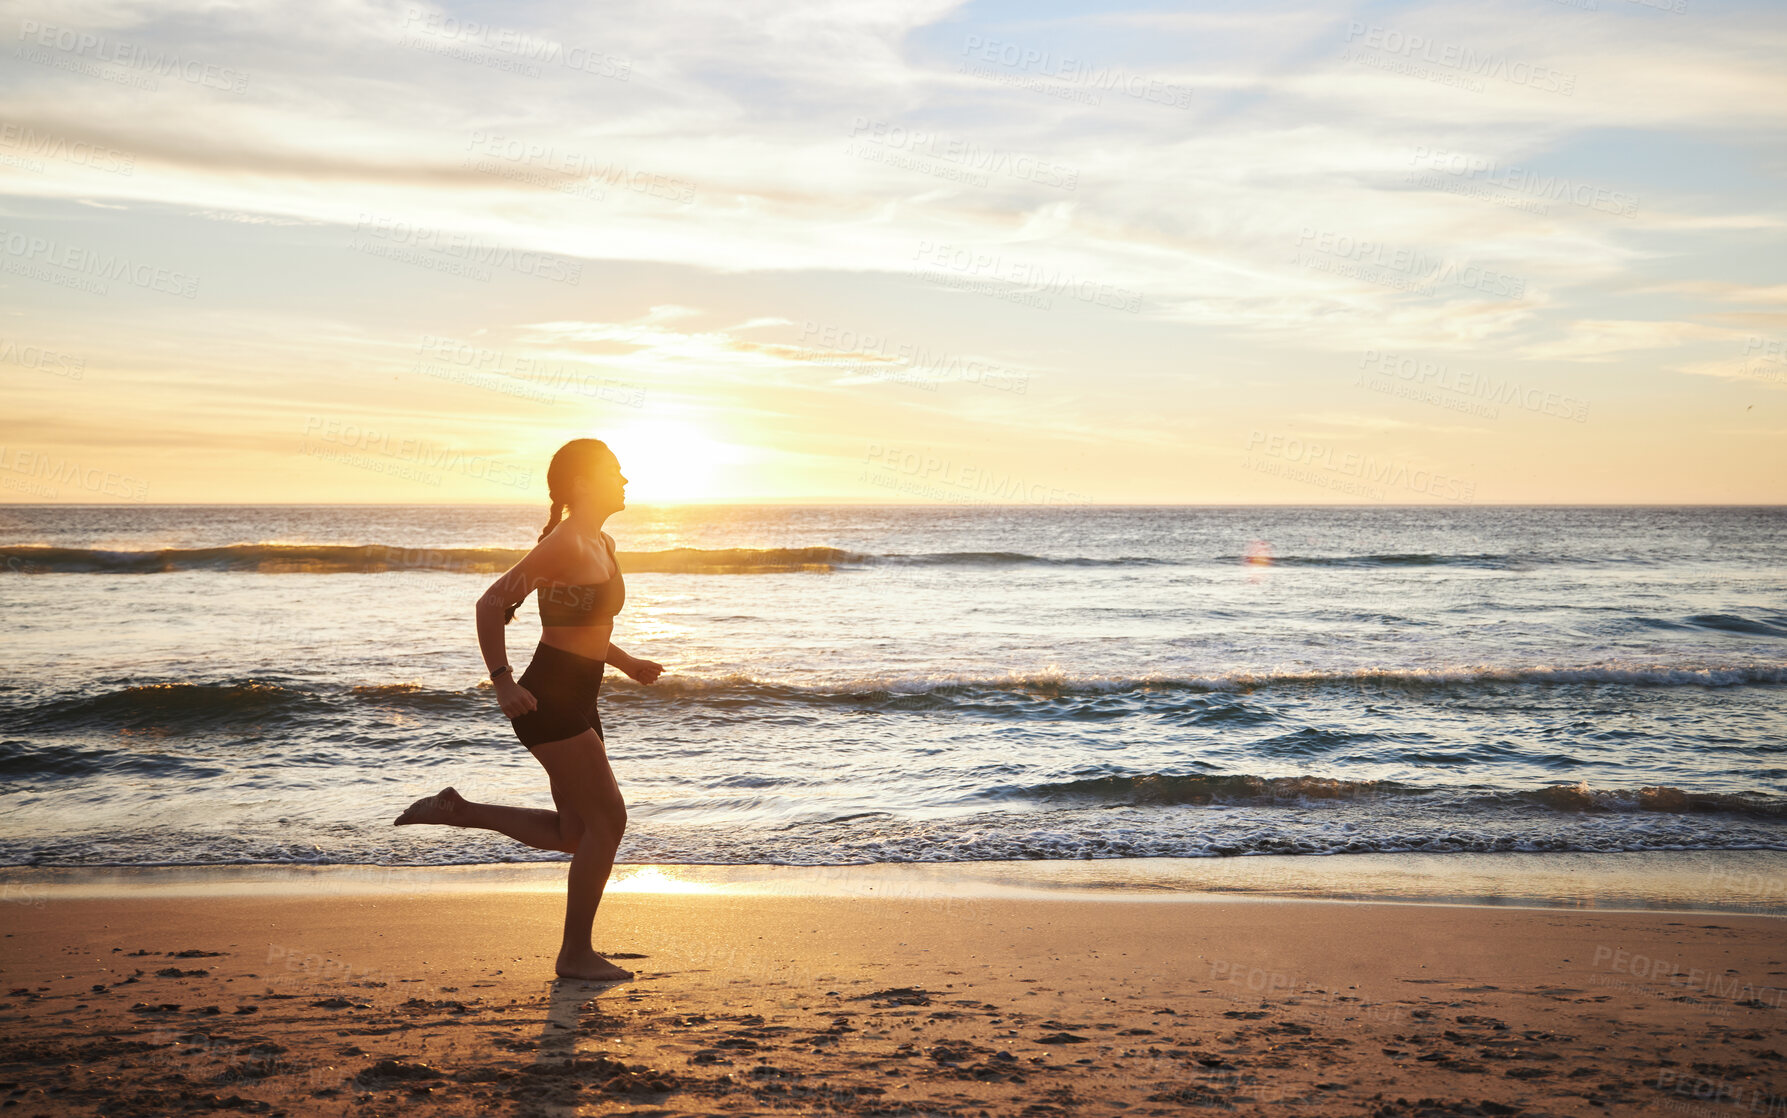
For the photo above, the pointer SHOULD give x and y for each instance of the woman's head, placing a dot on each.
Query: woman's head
(584, 474)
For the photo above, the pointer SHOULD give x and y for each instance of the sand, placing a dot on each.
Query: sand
(444, 1003)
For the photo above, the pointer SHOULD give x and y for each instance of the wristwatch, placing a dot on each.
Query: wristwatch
(500, 671)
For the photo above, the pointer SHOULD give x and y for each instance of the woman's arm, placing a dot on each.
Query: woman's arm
(492, 612)
(645, 671)
(618, 658)
(491, 609)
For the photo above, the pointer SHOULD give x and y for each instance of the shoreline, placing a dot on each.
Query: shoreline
(1737, 882)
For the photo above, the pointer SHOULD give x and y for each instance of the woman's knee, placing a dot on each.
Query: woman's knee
(613, 821)
(569, 836)
(603, 819)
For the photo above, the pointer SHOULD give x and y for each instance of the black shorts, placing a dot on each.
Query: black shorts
(565, 686)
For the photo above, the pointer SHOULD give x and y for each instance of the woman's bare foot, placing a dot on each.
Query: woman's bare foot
(589, 966)
(445, 806)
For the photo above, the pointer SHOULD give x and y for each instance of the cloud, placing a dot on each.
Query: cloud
(1604, 340)
(1196, 209)
(1759, 370)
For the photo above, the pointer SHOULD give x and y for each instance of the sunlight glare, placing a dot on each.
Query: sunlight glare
(653, 879)
(670, 460)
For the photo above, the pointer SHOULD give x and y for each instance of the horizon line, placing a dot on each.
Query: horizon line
(829, 503)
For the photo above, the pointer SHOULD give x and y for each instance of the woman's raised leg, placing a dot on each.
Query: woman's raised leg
(537, 827)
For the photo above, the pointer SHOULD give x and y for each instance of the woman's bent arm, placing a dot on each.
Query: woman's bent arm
(492, 613)
(514, 699)
(491, 627)
(645, 671)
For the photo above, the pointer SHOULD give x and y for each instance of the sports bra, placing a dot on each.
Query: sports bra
(593, 603)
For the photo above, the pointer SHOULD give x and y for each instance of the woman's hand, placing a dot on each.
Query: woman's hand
(515, 699)
(644, 671)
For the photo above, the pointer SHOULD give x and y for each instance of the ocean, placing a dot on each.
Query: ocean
(206, 685)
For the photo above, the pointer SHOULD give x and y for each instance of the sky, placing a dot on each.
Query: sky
(895, 251)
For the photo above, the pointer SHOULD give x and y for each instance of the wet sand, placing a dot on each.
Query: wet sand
(444, 1003)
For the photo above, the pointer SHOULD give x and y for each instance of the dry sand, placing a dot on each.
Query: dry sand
(444, 1003)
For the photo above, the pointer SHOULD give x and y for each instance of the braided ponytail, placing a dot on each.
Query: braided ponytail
(552, 518)
(573, 460)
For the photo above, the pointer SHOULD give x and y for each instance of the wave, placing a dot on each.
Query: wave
(1247, 790)
(1014, 559)
(271, 558)
(283, 558)
(261, 558)
(254, 699)
(183, 706)
(1062, 685)
(19, 760)
(1411, 559)
(1168, 789)
(233, 704)
(229, 706)
(1080, 831)
(1732, 623)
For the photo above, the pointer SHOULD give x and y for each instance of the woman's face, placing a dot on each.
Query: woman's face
(607, 486)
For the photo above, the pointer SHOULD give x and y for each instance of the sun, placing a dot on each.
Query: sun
(672, 460)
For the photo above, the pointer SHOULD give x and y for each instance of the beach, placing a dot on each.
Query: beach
(442, 1001)
(1087, 560)
(1076, 811)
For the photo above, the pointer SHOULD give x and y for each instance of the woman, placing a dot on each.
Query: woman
(553, 705)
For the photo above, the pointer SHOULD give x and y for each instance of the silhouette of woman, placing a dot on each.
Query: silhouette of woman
(552, 707)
